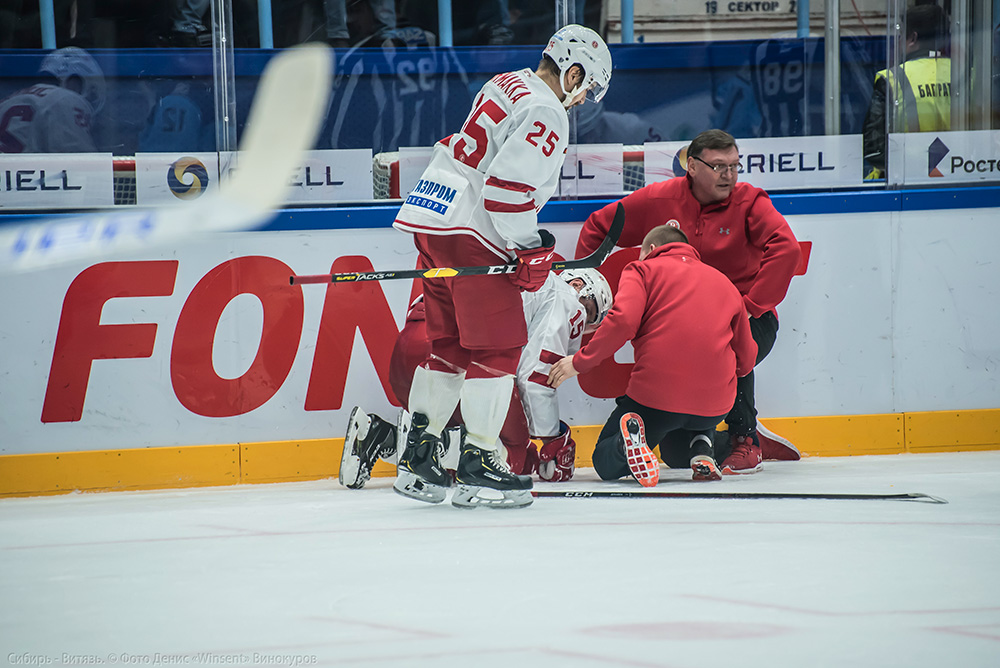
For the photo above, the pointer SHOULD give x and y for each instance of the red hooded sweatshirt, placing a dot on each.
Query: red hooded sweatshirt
(743, 236)
(688, 327)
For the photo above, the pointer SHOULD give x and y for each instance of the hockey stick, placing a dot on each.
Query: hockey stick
(915, 496)
(593, 260)
(284, 121)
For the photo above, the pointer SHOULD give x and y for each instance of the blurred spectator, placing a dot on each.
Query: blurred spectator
(383, 16)
(188, 23)
(55, 115)
(533, 20)
(474, 22)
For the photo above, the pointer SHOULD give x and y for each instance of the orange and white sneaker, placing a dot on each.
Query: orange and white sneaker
(704, 468)
(641, 460)
(745, 457)
(776, 447)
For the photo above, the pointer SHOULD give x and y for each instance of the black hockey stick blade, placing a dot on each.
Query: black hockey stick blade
(592, 261)
(642, 494)
(597, 258)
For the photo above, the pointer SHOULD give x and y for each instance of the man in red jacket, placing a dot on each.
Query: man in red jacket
(735, 229)
(691, 336)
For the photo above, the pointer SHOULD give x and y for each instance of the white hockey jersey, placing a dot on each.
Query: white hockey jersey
(45, 119)
(490, 179)
(556, 320)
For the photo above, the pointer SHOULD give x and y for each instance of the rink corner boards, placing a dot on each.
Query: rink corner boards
(316, 459)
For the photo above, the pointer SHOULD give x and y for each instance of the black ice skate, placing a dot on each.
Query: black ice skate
(484, 479)
(419, 474)
(369, 438)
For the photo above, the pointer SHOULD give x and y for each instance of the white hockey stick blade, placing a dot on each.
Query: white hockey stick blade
(286, 116)
(288, 110)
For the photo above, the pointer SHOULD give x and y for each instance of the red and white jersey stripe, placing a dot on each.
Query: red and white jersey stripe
(491, 178)
(556, 320)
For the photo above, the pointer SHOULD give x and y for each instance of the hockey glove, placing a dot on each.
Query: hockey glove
(533, 264)
(557, 460)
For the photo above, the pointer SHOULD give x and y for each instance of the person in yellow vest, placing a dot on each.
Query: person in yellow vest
(918, 90)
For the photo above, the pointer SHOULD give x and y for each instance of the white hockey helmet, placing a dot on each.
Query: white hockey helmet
(595, 286)
(72, 61)
(577, 45)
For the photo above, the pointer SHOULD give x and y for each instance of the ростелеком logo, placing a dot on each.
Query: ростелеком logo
(935, 154)
(187, 178)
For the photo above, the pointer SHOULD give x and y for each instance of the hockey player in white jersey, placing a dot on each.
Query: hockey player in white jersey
(477, 204)
(55, 117)
(557, 316)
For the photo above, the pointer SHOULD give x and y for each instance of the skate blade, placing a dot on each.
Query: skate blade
(402, 431)
(471, 496)
(413, 487)
(350, 474)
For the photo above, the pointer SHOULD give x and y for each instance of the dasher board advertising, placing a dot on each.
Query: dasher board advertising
(774, 163)
(169, 178)
(944, 158)
(589, 169)
(56, 180)
(327, 176)
(592, 169)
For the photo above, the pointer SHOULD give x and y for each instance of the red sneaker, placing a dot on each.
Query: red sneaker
(773, 446)
(641, 461)
(745, 457)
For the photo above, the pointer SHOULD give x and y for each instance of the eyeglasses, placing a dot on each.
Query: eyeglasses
(720, 169)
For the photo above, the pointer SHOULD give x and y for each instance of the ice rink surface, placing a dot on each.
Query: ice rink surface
(315, 574)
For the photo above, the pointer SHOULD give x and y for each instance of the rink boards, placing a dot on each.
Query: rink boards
(201, 365)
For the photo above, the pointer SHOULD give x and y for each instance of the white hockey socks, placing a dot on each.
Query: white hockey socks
(484, 408)
(452, 440)
(435, 394)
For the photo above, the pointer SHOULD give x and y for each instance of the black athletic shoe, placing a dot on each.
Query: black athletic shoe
(369, 438)
(419, 474)
(703, 464)
(484, 479)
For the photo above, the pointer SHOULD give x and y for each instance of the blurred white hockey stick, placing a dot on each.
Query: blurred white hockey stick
(288, 110)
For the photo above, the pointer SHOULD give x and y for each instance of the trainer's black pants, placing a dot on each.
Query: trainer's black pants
(742, 419)
(672, 432)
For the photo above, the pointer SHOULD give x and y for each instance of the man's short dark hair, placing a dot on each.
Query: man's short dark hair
(929, 22)
(711, 140)
(546, 64)
(664, 234)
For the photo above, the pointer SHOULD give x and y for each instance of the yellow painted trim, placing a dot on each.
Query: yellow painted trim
(313, 459)
(843, 435)
(286, 461)
(116, 470)
(950, 431)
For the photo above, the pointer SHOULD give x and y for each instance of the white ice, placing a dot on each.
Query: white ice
(315, 574)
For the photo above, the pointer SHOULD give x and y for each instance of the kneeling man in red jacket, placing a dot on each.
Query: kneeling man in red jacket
(688, 325)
